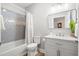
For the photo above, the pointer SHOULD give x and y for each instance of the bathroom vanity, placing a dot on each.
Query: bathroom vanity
(61, 46)
(61, 43)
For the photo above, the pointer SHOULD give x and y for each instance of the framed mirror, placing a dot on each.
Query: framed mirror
(62, 19)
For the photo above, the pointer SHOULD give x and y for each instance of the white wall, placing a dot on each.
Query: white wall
(40, 12)
(78, 27)
(0, 22)
(0, 8)
(78, 34)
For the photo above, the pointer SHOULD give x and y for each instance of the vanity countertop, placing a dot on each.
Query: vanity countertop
(61, 37)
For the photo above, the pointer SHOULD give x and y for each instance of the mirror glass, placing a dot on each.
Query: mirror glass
(59, 22)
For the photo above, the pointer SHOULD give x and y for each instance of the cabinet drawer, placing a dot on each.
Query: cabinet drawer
(62, 43)
(51, 42)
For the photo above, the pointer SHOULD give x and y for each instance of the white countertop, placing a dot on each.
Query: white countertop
(62, 37)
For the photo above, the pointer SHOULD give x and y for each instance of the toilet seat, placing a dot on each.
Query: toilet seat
(32, 49)
(32, 45)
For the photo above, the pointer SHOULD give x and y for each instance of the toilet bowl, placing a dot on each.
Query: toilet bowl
(32, 47)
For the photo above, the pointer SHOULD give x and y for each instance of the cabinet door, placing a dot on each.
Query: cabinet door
(68, 52)
(51, 50)
(50, 47)
(69, 49)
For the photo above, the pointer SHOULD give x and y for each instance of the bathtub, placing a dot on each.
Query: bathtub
(15, 48)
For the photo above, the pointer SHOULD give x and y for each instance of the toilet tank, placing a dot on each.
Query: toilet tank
(36, 39)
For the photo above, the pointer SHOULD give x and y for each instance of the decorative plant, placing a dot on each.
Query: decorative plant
(72, 25)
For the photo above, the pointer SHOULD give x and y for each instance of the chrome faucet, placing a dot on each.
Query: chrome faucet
(59, 34)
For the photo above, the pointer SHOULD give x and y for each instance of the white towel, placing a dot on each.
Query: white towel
(76, 29)
(1, 23)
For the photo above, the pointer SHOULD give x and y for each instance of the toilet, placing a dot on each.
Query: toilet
(32, 47)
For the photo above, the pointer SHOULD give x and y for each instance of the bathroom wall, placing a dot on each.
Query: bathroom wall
(40, 12)
(78, 35)
(0, 8)
(0, 23)
(78, 27)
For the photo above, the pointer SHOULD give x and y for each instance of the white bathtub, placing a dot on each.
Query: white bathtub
(15, 48)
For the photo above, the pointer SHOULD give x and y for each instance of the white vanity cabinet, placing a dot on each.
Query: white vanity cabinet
(57, 47)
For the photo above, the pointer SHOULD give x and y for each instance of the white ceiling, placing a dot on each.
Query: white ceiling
(23, 5)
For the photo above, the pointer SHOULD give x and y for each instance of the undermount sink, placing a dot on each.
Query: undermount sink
(59, 34)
